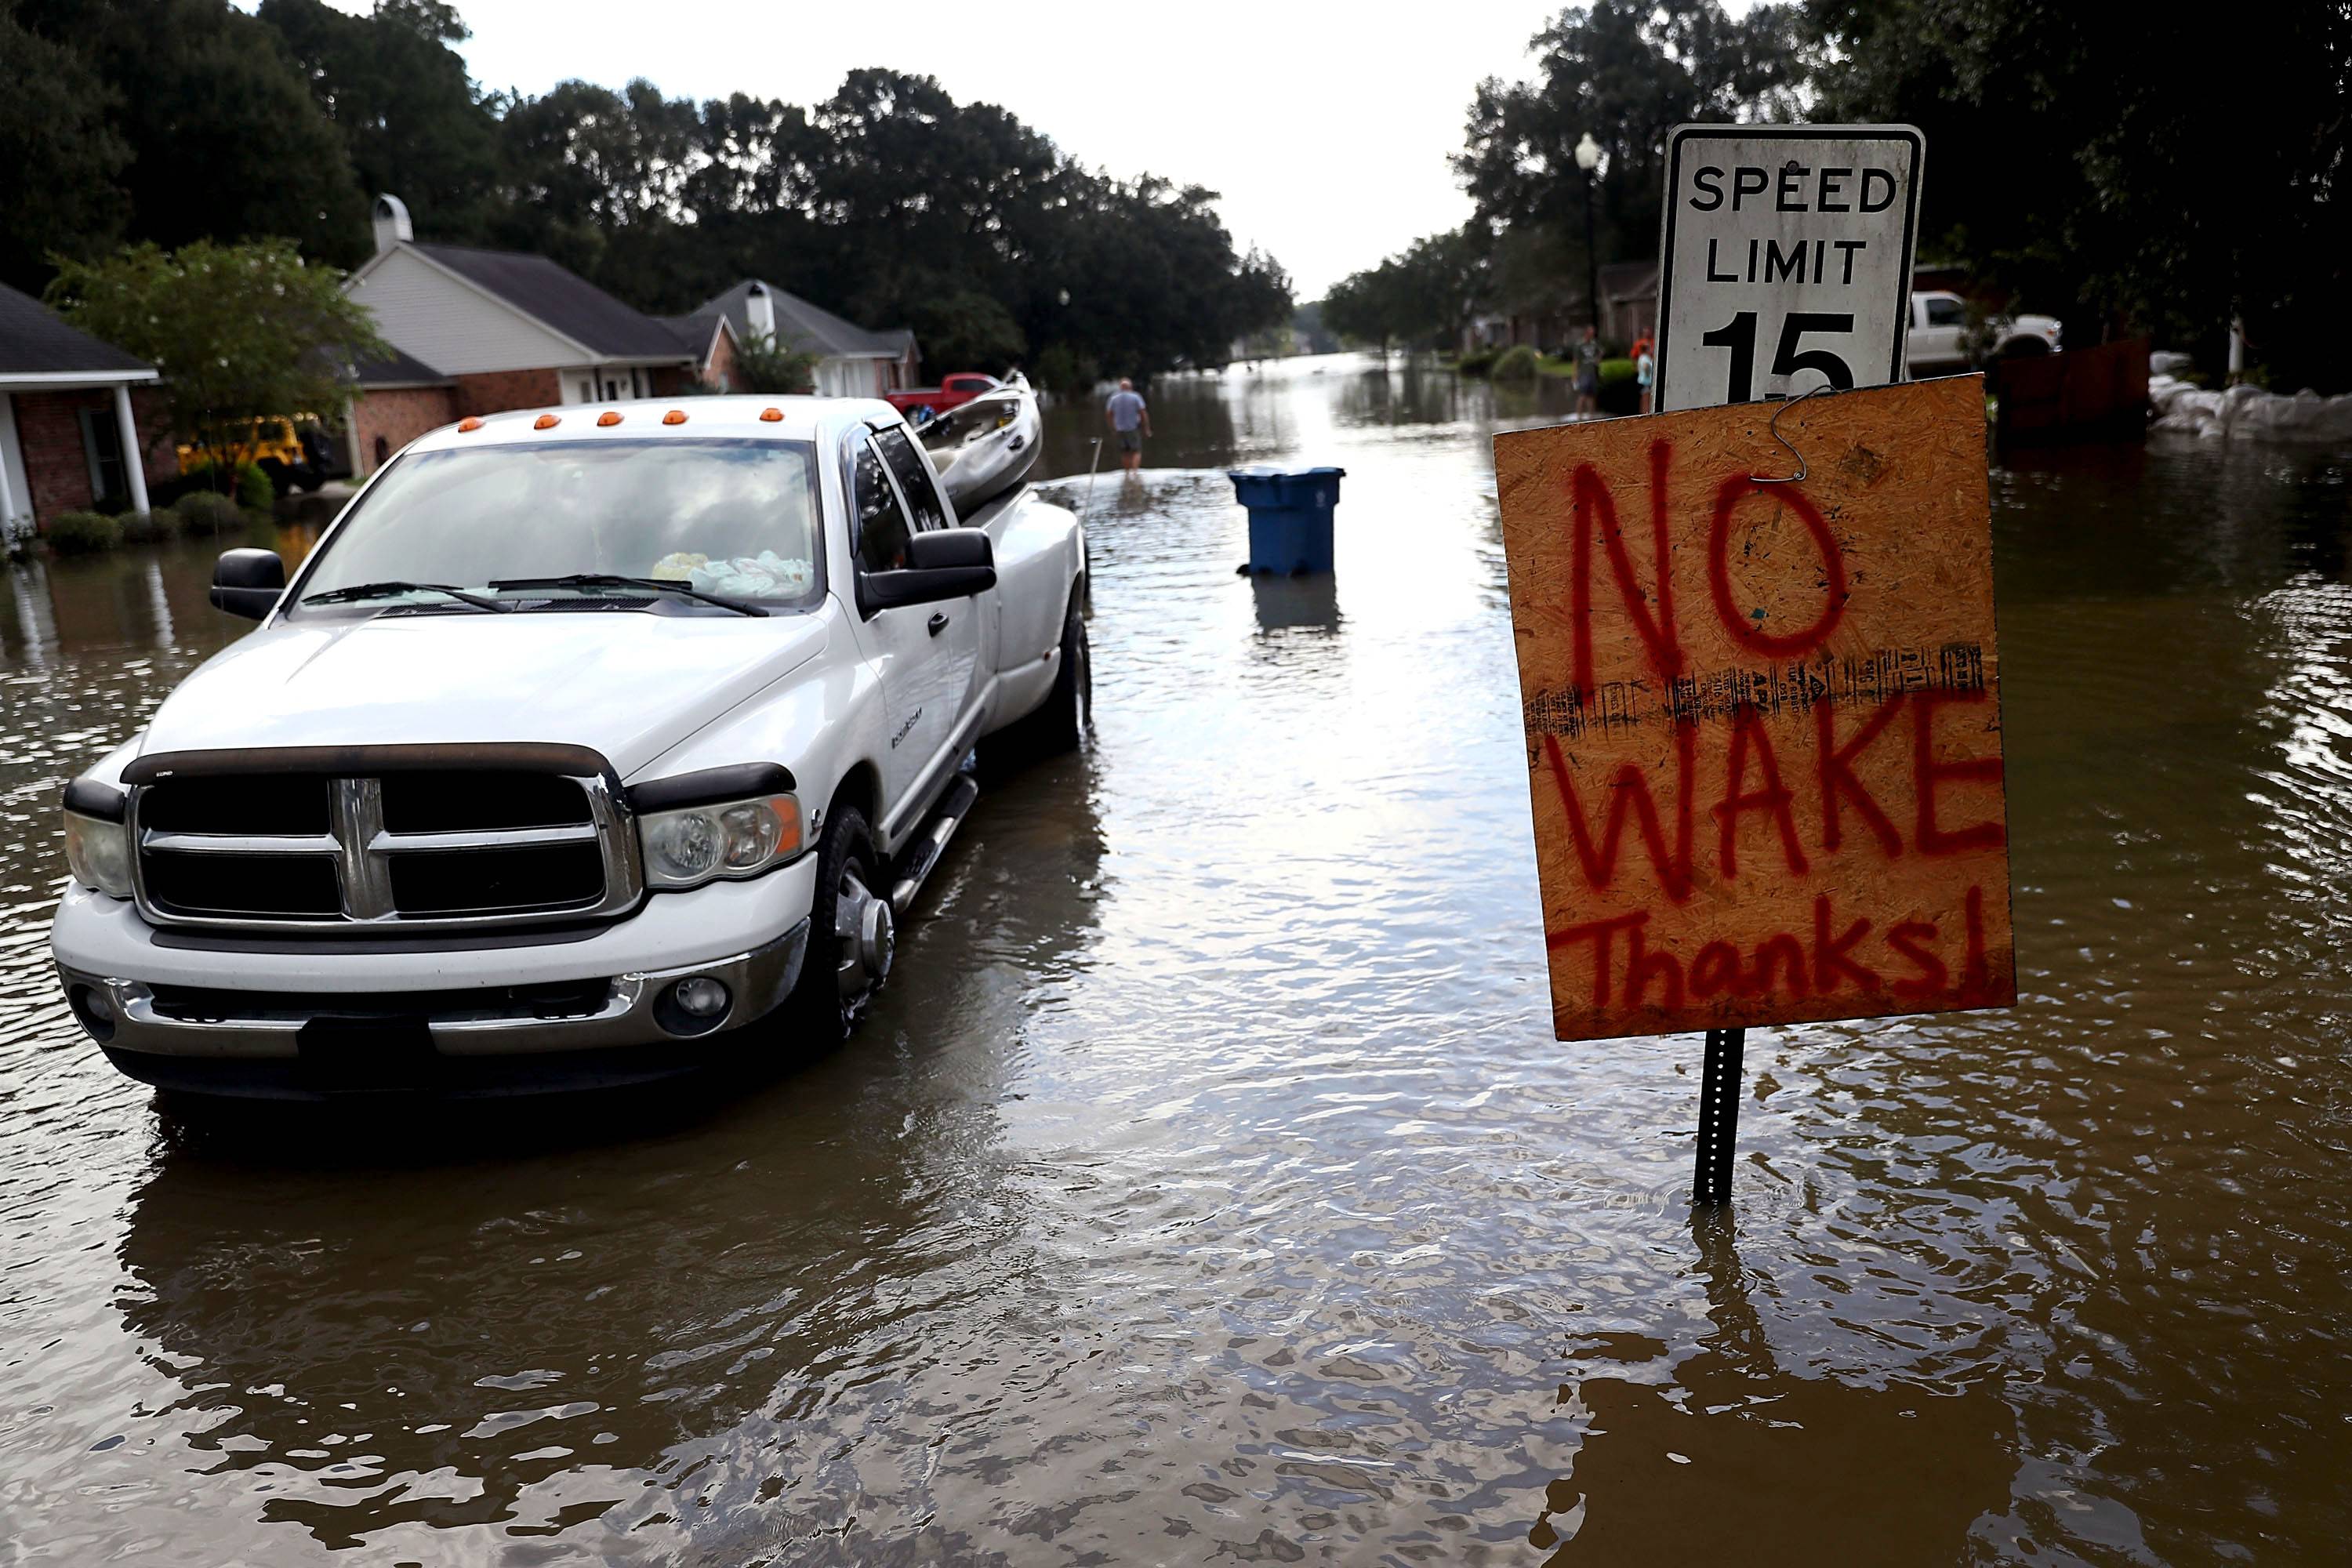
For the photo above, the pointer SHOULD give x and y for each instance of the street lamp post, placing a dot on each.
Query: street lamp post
(1588, 158)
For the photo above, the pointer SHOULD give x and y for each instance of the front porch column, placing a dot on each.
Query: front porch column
(8, 501)
(134, 462)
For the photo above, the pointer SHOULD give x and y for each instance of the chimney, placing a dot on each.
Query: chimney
(759, 311)
(392, 226)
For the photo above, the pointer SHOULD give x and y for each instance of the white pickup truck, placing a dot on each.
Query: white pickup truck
(582, 739)
(1941, 342)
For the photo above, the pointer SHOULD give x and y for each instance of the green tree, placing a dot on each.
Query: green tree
(1425, 296)
(397, 91)
(64, 157)
(2063, 165)
(763, 365)
(1625, 72)
(596, 179)
(1369, 307)
(226, 140)
(962, 329)
(239, 331)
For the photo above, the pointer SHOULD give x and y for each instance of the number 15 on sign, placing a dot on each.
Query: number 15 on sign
(1786, 260)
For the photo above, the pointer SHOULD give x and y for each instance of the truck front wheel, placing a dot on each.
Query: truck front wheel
(852, 936)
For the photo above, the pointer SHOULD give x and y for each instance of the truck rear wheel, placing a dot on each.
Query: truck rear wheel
(851, 935)
(1059, 723)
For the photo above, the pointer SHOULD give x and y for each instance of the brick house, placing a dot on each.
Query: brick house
(711, 339)
(852, 361)
(480, 331)
(69, 407)
(399, 399)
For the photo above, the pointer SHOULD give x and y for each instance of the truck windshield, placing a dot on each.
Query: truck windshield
(731, 517)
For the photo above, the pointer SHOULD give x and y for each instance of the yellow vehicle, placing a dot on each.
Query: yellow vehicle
(295, 454)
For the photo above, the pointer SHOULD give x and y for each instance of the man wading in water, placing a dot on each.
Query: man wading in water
(1131, 419)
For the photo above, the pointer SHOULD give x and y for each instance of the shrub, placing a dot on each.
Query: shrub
(1520, 363)
(253, 486)
(1062, 369)
(148, 526)
(1613, 371)
(83, 532)
(1477, 362)
(202, 511)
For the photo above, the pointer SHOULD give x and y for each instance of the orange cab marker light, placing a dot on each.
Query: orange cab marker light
(608, 417)
(469, 424)
(771, 415)
(547, 421)
(675, 417)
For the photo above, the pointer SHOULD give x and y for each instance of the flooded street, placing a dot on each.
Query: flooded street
(1207, 1186)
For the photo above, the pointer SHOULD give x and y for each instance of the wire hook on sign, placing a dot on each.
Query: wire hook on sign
(1787, 404)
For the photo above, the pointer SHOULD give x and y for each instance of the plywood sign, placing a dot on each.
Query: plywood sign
(1763, 720)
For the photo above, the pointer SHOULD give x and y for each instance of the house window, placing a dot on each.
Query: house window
(102, 442)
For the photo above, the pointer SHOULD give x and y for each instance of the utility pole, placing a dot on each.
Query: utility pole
(1588, 158)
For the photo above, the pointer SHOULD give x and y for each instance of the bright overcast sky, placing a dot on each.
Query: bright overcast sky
(1326, 127)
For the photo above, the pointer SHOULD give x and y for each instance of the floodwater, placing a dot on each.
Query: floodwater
(1208, 1187)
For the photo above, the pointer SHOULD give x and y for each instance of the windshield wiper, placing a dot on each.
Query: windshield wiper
(359, 591)
(609, 580)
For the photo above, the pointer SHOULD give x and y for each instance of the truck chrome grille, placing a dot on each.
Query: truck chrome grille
(445, 847)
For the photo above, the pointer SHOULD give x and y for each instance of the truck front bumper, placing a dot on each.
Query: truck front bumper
(605, 1009)
(277, 1045)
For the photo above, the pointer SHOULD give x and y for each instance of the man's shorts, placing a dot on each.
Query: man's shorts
(1130, 441)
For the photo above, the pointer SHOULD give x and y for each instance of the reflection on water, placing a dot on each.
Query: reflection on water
(1207, 1186)
(1824, 1470)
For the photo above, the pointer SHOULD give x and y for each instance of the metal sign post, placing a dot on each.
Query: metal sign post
(1785, 261)
(1718, 1116)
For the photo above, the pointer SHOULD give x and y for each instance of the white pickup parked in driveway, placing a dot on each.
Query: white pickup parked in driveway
(582, 739)
(1939, 340)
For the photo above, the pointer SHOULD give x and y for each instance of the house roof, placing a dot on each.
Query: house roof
(400, 370)
(34, 341)
(808, 327)
(560, 299)
(697, 332)
(1625, 280)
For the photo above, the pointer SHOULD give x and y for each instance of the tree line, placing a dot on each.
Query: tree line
(171, 122)
(2079, 161)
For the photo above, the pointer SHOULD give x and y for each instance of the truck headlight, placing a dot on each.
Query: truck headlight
(98, 853)
(734, 838)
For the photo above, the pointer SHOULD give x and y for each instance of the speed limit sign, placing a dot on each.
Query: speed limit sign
(1786, 263)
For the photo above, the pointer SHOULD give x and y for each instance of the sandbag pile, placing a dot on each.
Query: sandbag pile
(2247, 413)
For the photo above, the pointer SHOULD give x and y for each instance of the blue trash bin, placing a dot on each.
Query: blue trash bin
(1289, 516)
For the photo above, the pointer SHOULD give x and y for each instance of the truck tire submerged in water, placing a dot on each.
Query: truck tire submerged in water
(1059, 724)
(1062, 722)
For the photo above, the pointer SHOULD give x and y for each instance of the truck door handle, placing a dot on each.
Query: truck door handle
(938, 623)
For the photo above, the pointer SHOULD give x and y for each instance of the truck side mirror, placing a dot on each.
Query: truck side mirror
(943, 564)
(249, 583)
(950, 547)
(923, 585)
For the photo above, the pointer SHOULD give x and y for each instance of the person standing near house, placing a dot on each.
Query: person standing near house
(1130, 420)
(1588, 374)
(1646, 367)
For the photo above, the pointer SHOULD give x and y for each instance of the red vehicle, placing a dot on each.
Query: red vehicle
(920, 403)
